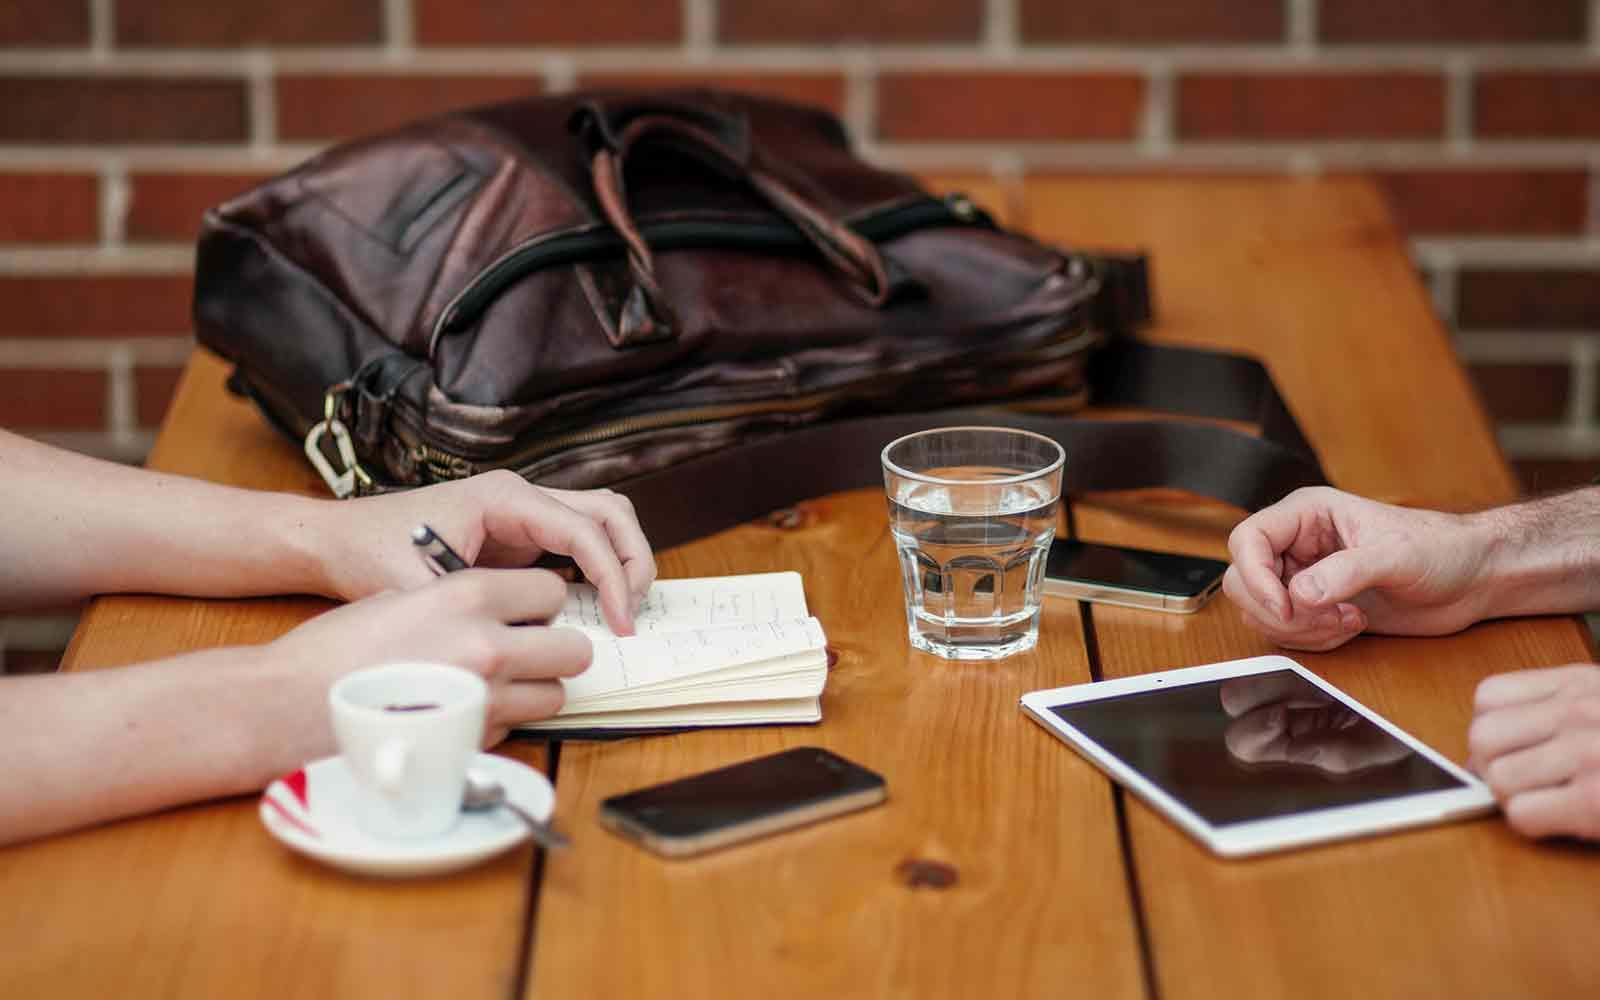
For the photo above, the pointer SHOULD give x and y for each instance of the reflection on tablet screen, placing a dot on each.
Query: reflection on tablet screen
(1255, 747)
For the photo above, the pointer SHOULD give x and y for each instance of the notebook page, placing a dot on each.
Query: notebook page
(749, 713)
(809, 667)
(634, 661)
(701, 602)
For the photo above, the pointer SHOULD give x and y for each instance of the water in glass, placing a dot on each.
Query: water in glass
(972, 557)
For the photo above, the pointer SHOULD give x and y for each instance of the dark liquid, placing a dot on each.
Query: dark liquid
(427, 706)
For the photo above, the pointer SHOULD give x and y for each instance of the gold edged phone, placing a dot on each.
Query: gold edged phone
(743, 801)
(1136, 578)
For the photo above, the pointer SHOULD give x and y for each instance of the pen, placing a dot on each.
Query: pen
(440, 555)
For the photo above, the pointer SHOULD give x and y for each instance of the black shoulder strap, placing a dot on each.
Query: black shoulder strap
(737, 484)
(716, 491)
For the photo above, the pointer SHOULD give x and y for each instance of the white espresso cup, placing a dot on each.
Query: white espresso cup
(407, 731)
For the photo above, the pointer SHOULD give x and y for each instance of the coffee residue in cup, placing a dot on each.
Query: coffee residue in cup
(419, 707)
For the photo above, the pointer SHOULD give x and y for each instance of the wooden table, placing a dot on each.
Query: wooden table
(1065, 886)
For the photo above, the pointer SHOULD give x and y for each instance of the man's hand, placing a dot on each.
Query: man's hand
(493, 520)
(1318, 568)
(1535, 739)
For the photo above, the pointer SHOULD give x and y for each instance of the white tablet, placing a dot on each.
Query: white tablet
(1258, 755)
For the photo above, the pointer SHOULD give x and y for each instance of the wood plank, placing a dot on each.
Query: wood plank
(1309, 275)
(1041, 897)
(200, 901)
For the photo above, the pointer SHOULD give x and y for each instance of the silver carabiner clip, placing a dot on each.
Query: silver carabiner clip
(342, 483)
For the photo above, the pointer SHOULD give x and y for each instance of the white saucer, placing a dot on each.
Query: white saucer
(307, 811)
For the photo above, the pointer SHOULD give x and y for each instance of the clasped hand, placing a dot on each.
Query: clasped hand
(1321, 567)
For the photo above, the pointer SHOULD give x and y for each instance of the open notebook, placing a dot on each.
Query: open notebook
(714, 651)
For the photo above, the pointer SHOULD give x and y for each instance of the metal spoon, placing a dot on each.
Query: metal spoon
(484, 792)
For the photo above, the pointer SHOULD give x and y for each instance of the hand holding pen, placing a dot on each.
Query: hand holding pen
(494, 521)
(438, 552)
(444, 559)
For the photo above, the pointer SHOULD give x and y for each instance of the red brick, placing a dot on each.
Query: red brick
(44, 22)
(1120, 21)
(227, 23)
(1523, 393)
(168, 207)
(519, 22)
(823, 89)
(1546, 475)
(1528, 300)
(1486, 202)
(154, 388)
(96, 305)
(341, 107)
(1310, 106)
(52, 400)
(1496, 22)
(104, 109)
(1009, 106)
(1523, 105)
(814, 21)
(49, 208)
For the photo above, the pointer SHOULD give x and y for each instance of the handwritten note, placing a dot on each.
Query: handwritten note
(682, 605)
(638, 661)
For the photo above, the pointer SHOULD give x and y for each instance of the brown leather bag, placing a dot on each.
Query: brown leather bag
(701, 299)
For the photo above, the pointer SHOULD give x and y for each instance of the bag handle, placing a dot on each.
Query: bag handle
(722, 143)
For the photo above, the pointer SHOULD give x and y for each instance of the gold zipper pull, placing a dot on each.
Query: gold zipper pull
(440, 465)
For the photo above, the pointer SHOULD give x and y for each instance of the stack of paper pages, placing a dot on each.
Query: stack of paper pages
(717, 651)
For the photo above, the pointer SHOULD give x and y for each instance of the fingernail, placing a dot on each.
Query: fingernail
(1308, 587)
(1350, 619)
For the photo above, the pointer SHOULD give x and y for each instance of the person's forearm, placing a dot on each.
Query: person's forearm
(76, 526)
(1543, 555)
(86, 748)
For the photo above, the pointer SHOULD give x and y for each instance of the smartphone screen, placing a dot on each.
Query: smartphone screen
(744, 800)
(1113, 573)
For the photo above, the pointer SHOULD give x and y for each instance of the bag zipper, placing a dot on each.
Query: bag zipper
(597, 239)
(445, 465)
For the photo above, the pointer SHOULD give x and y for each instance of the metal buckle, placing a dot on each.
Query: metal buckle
(353, 478)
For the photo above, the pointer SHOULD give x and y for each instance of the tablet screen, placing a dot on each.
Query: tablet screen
(1255, 747)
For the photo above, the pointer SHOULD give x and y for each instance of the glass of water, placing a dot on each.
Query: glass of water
(973, 511)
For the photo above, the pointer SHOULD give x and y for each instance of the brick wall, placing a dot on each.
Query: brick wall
(121, 120)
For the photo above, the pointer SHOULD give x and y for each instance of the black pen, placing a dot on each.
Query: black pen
(440, 555)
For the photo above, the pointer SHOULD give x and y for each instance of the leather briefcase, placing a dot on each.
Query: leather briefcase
(701, 299)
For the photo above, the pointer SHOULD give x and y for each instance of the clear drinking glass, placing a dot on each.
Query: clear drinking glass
(973, 511)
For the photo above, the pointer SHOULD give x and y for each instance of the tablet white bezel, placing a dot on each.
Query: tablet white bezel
(1279, 833)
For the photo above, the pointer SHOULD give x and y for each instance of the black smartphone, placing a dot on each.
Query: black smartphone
(743, 801)
(1139, 578)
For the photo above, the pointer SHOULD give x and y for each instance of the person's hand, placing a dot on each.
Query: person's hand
(464, 619)
(1321, 566)
(1279, 718)
(496, 519)
(1535, 739)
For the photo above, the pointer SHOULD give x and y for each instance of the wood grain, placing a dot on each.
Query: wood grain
(1309, 276)
(200, 901)
(1040, 897)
